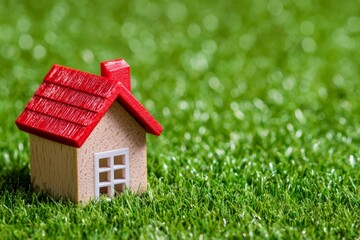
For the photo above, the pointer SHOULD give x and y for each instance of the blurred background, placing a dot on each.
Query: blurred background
(221, 76)
(259, 100)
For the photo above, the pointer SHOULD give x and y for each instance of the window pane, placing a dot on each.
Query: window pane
(119, 160)
(104, 190)
(119, 188)
(104, 162)
(119, 174)
(104, 177)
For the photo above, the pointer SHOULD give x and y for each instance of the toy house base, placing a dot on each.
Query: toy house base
(99, 166)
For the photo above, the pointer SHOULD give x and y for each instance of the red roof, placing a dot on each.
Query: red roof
(70, 103)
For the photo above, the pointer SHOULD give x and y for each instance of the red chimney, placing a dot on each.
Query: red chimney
(118, 70)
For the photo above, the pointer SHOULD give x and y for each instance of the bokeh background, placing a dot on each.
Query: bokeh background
(257, 99)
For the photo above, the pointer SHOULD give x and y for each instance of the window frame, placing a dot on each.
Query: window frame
(110, 170)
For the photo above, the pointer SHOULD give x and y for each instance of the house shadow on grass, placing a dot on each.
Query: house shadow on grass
(15, 183)
(15, 179)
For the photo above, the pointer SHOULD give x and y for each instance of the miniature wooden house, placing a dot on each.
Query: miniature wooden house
(87, 133)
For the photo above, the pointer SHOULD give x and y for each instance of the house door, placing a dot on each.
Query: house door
(112, 172)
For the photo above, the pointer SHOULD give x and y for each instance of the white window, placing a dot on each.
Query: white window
(111, 172)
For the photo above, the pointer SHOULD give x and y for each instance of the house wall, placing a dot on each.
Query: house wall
(53, 167)
(116, 130)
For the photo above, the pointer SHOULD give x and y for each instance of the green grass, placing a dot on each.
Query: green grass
(260, 103)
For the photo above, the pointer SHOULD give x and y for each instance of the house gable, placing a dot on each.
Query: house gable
(116, 130)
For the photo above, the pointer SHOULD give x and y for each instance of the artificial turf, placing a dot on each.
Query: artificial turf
(259, 100)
